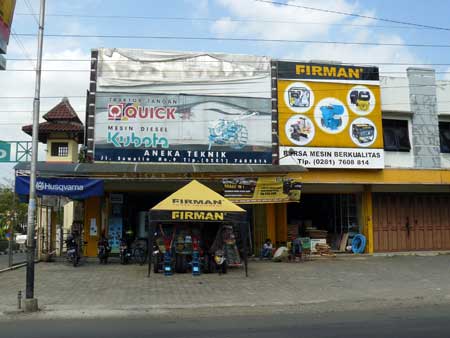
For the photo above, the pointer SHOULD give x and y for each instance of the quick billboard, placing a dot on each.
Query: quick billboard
(329, 116)
(176, 128)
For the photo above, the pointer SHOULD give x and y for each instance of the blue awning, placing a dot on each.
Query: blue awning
(74, 188)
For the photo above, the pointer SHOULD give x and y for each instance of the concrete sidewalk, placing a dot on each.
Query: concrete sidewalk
(334, 284)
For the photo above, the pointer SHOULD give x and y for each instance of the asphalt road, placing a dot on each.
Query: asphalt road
(430, 321)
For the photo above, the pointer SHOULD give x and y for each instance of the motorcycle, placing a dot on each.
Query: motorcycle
(103, 250)
(124, 252)
(73, 255)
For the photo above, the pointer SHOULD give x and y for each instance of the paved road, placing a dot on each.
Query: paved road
(420, 322)
(17, 258)
(331, 284)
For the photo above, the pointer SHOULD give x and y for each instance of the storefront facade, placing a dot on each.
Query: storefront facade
(371, 153)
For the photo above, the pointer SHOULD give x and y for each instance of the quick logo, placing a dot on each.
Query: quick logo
(130, 111)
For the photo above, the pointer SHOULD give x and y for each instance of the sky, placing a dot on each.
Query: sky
(207, 18)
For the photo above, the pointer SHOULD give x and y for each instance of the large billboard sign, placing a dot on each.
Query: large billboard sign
(6, 17)
(175, 128)
(329, 116)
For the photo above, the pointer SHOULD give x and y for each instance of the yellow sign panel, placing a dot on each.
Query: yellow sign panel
(6, 11)
(197, 197)
(327, 114)
(262, 190)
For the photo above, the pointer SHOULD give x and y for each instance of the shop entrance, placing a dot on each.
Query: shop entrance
(325, 218)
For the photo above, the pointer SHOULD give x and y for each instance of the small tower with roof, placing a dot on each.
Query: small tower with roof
(62, 131)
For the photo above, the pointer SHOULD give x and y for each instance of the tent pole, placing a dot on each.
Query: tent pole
(243, 228)
(151, 231)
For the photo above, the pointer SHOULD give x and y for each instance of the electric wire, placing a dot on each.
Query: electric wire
(323, 10)
(200, 38)
(203, 19)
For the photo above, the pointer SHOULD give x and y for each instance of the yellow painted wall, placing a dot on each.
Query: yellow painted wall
(92, 209)
(73, 151)
(386, 176)
(271, 222)
(281, 222)
(367, 218)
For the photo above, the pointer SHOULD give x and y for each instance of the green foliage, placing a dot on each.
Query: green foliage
(12, 212)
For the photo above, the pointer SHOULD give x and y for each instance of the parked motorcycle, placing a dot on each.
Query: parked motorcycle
(103, 250)
(73, 255)
(124, 252)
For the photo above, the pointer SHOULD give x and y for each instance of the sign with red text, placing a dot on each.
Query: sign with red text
(170, 128)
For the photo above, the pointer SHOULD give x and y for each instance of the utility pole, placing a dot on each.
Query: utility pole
(31, 303)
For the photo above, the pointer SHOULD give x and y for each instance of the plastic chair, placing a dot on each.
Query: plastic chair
(306, 247)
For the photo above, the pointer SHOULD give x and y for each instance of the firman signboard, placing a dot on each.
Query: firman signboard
(329, 116)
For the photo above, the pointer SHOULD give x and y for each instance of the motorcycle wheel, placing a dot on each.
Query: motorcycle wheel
(139, 255)
(156, 263)
(123, 260)
(224, 267)
(180, 264)
(75, 261)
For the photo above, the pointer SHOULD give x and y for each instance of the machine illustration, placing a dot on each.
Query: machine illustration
(300, 129)
(364, 133)
(331, 116)
(361, 99)
(299, 97)
(232, 133)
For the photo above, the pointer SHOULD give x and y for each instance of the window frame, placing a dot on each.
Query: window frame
(397, 123)
(60, 149)
(440, 136)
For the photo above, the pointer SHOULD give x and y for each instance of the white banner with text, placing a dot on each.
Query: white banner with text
(336, 158)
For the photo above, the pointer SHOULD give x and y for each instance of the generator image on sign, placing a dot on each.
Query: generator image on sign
(299, 97)
(331, 115)
(363, 132)
(300, 130)
(361, 100)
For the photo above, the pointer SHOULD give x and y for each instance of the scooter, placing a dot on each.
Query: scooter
(124, 252)
(103, 250)
(72, 251)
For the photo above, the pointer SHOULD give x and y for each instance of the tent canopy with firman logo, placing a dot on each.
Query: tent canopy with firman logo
(196, 202)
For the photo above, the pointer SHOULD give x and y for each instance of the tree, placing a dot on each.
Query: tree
(12, 211)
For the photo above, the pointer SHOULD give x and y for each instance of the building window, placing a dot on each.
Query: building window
(396, 135)
(444, 136)
(60, 149)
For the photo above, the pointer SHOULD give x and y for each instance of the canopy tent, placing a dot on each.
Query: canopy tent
(196, 202)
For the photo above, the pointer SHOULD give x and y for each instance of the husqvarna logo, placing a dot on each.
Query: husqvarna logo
(40, 186)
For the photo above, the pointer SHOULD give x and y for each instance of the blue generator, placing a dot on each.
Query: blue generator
(331, 116)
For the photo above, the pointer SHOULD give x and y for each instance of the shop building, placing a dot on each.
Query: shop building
(156, 120)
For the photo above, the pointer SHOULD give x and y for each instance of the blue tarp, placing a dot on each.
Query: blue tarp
(74, 188)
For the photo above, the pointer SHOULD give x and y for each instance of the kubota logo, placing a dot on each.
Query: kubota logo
(125, 112)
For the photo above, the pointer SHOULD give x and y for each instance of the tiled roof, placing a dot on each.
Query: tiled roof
(47, 127)
(62, 111)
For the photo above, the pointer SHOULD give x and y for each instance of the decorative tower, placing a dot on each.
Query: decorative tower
(62, 131)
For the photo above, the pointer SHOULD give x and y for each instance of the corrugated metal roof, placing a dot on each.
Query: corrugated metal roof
(112, 169)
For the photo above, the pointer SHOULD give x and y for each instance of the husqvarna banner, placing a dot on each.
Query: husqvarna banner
(170, 128)
(77, 189)
(329, 116)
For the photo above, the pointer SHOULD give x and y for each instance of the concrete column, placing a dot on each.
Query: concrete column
(425, 121)
(367, 214)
